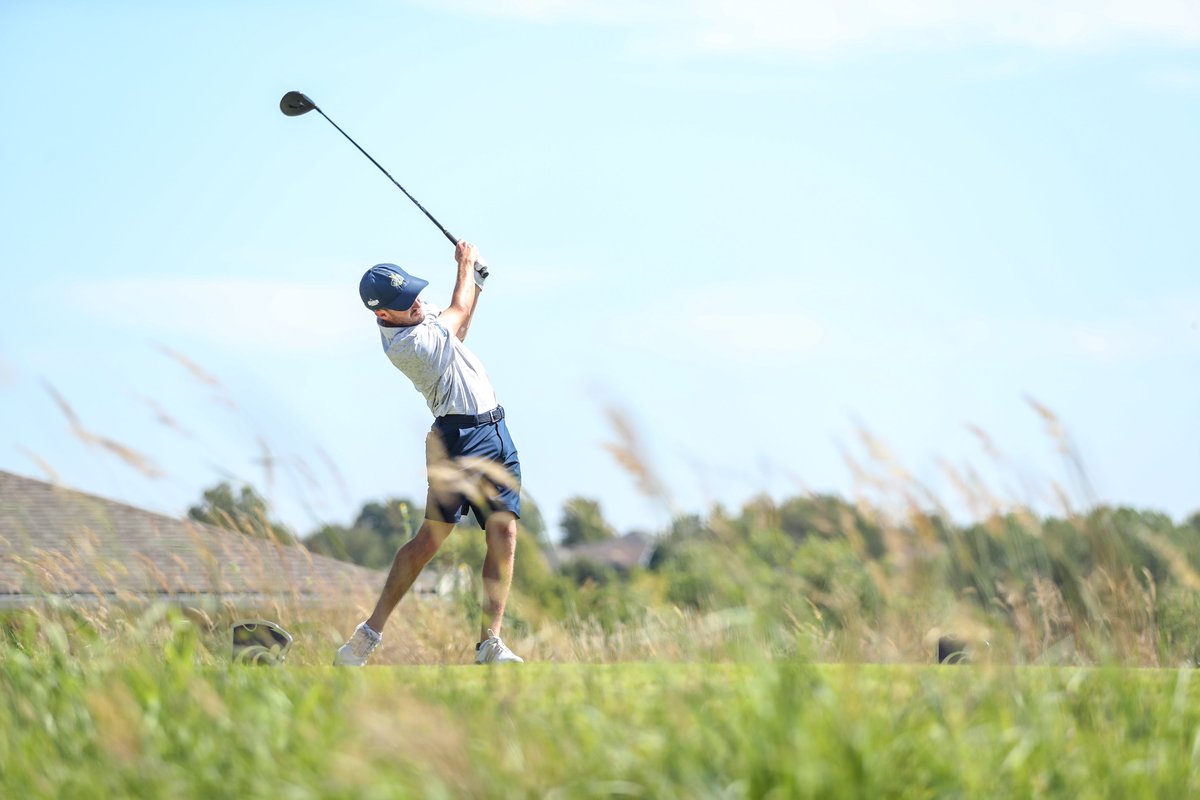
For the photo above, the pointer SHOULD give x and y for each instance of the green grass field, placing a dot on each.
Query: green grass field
(107, 718)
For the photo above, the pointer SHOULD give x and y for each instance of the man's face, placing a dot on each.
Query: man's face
(413, 316)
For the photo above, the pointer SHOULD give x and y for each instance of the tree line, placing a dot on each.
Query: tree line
(824, 563)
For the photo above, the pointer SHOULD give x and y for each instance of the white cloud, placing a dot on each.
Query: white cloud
(1175, 79)
(1151, 331)
(536, 281)
(738, 323)
(1103, 344)
(1147, 329)
(1138, 334)
(816, 27)
(252, 313)
(722, 322)
(782, 321)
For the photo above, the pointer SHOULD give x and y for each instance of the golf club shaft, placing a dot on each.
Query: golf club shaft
(432, 219)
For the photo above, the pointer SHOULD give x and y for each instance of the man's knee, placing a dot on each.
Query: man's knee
(501, 526)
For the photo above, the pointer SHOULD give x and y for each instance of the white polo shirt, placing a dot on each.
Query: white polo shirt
(451, 377)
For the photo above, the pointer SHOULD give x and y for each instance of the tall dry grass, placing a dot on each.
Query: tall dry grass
(1104, 616)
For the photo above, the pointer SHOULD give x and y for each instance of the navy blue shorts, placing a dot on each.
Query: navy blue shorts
(473, 467)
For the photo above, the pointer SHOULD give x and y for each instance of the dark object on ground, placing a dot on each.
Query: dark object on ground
(258, 641)
(951, 650)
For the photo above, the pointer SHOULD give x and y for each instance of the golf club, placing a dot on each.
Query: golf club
(293, 104)
(257, 641)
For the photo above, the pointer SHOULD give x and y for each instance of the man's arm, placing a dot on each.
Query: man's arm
(457, 317)
(462, 330)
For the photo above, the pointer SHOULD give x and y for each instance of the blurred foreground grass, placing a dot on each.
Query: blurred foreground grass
(709, 672)
(156, 714)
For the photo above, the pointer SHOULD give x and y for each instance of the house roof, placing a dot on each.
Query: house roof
(57, 541)
(622, 553)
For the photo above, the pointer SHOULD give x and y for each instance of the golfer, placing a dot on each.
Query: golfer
(470, 458)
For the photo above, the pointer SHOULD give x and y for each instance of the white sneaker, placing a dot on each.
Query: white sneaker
(358, 649)
(494, 651)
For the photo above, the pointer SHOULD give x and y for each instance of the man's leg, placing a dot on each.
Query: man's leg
(501, 533)
(408, 563)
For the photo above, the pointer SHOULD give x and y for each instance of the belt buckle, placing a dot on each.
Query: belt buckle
(494, 415)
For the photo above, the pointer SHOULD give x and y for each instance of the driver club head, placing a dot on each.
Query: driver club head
(259, 641)
(293, 104)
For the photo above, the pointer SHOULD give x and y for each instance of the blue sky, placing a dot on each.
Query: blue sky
(754, 229)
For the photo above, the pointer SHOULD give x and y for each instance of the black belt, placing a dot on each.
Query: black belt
(472, 420)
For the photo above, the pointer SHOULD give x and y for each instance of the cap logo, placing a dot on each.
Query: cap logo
(372, 302)
(397, 281)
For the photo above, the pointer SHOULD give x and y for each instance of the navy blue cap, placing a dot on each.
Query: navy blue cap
(388, 286)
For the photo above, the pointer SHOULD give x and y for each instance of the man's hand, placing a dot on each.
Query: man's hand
(468, 254)
(481, 273)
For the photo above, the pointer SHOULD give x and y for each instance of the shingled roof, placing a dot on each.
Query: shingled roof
(59, 542)
(622, 553)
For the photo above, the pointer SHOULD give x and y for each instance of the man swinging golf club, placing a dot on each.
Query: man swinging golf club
(470, 457)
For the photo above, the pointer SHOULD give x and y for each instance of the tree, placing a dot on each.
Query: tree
(356, 545)
(583, 521)
(830, 516)
(244, 512)
(533, 523)
(394, 521)
(380, 529)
